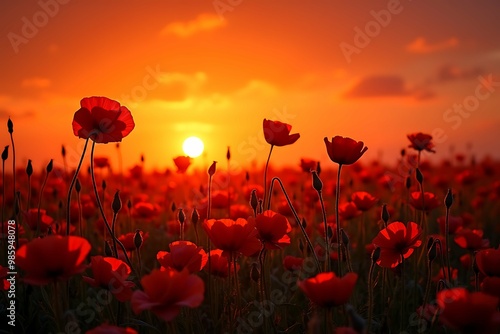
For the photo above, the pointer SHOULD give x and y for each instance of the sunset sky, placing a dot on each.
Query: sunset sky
(371, 70)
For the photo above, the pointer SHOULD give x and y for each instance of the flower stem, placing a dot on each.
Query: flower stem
(446, 241)
(44, 183)
(327, 237)
(72, 184)
(337, 220)
(265, 178)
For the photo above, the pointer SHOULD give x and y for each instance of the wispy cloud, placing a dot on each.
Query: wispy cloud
(421, 45)
(36, 82)
(378, 86)
(203, 22)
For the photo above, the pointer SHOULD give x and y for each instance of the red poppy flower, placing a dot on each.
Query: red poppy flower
(144, 210)
(455, 222)
(111, 274)
(219, 264)
(183, 255)
(239, 211)
(327, 290)
(101, 162)
(110, 329)
(344, 150)
(52, 258)
(278, 134)
(488, 262)
(348, 210)
(272, 229)
(292, 263)
(103, 120)
(219, 199)
(429, 203)
(469, 312)
(307, 165)
(396, 241)
(471, 239)
(421, 141)
(31, 219)
(363, 200)
(233, 236)
(182, 163)
(166, 291)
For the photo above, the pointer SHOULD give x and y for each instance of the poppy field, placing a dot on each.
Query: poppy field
(354, 246)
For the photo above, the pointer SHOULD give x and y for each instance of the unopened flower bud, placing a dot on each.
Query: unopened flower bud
(329, 232)
(10, 126)
(129, 204)
(448, 201)
(317, 184)
(211, 169)
(63, 151)
(50, 166)
(385, 214)
(117, 203)
(181, 216)
(228, 154)
(173, 207)
(254, 202)
(78, 186)
(138, 239)
(5, 153)
(195, 216)
(29, 168)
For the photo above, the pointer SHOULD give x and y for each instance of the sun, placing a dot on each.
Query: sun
(193, 147)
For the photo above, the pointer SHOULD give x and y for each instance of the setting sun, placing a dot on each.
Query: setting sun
(193, 147)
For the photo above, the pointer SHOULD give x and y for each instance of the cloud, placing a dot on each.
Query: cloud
(378, 86)
(203, 22)
(36, 82)
(421, 45)
(451, 73)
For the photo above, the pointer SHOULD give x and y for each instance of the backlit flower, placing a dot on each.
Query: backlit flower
(363, 200)
(278, 134)
(397, 241)
(103, 120)
(429, 203)
(183, 255)
(182, 163)
(488, 262)
(166, 291)
(52, 258)
(421, 141)
(327, 290)
(272, 229)
(344, 150)
(471, 239)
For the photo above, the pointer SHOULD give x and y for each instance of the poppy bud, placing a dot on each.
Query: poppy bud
(138, 239)
(253, 200)
(29, 168)
(317, 184)
(78, 186)
(195, 216)
(318, 168)
(419, 175)
(181, 216)
(228, 154)
(63, 151)
(173, 207)
(129, 204)
(142, 158)
(376, 254)
(385, 214)
(255, 273)
(403, 152)
(117, 203)
(408, 183)
(329, 232)
(107, 249)
(211, 169)
(304, 223)
(5, 153)
(247, 176)
(50, 166)
(345, 238)
(10, 126)
(448, 201)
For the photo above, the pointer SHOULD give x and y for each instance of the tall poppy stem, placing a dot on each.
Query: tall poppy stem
(72, 184)
(337, 220)
(3, 207)
(101, 209)
(40, 203)
(265, 177)
(403, 292)
(446, 242)
(327, 237)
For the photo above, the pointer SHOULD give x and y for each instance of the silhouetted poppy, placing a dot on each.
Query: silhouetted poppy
(344, 150)
(421, 141)
(327, 290)
(429, 203)
(183, 255)
(488, 262)
(292, 263)
(272, 229)
(278, 133)
(166, 291)
(471, 239)
(52, 258)
(233, 236)
(182, 163)
(110, 329)
(103, 120)
(363, 200)
(397, 240)
(469, 312)
(111, 274)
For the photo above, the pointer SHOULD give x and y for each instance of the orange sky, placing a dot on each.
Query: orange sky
(215, 70)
